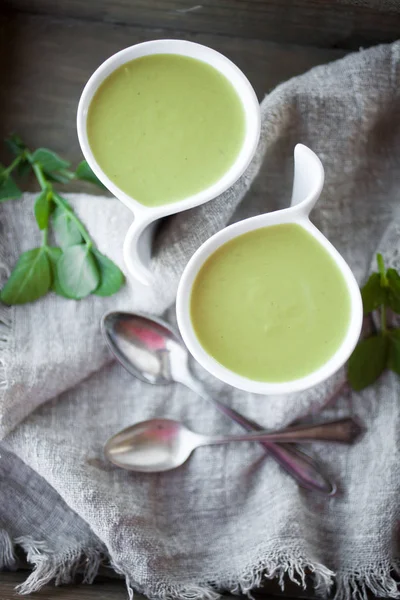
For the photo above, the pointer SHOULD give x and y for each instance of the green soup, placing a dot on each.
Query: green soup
(271, 305)
(164, 127)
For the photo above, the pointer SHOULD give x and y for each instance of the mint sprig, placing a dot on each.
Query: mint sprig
(76, 268)
(381, 351)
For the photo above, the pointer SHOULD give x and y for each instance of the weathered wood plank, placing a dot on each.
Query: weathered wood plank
(334, 24)
(47, 61)
(101, 590)
(104, 589)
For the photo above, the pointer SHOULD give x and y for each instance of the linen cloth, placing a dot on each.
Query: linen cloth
(230, 518)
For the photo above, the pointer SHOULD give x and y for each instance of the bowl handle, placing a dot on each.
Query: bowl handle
(138, 247)
(307, 187)
(308, 179)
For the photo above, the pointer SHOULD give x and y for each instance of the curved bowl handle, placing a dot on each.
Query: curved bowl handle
(137, 249)
(308, 179)
(307, 187)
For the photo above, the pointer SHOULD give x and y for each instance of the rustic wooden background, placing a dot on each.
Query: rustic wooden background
(49, 48)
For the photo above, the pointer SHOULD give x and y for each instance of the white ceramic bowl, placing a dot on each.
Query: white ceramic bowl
(307, 186)
(137, 245)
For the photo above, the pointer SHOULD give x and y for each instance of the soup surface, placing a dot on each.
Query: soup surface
(164, 127)
(271, 304)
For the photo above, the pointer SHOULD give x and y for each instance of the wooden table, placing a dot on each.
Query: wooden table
(114, 589)
(49, 48)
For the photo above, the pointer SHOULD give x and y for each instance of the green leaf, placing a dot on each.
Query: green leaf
(373, 294)
(63, 176)
(394, 351)
(15, 144)
(54, 253)
(111, 276)
(42, 209)
(30, 278)
(49, 160)
(393, 279)
(8, 188)
(58, 289)
(77, 271)
(24, 168)
(65, 229)
(84, 172)
(368, 361)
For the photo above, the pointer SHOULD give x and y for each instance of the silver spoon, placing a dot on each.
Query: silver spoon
(163, 444)
(151, 351)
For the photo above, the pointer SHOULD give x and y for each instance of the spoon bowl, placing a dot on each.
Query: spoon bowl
(152, 446)
(145, 346)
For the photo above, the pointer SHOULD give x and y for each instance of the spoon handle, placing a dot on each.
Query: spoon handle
(306, 471)
(342, 431)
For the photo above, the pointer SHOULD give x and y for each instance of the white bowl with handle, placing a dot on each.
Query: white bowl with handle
(138, 241)
(307, 186)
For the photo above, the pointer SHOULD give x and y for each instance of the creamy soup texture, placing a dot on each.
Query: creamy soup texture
(165, 127)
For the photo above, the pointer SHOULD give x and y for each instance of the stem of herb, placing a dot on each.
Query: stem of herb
(37, 169)
(382, 271)
(13, 165)
(59, 201)
(44, 236)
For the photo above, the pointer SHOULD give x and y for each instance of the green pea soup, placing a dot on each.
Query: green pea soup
(164, 127)
(271, 304)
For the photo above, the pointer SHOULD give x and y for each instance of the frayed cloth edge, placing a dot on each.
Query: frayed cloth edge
(7, 554)
(357, 586)
(62, 569)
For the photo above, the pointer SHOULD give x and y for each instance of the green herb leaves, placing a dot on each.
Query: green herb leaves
(111, 276)
(81, 270)
(15, 145)
(393, 290)
(42, 209)
(368, 361)
(373, 294)
(30, 278)
(54, 254)
(381, 351)
(77, 271)
(53, 166)
(382, 290)
(76, 268)
(49, 161)
(85, 173)
(394, 351)
(8, 188)
(65, 228)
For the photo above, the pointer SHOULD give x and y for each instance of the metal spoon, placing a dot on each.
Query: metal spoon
(163, 444)
(151, 351)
